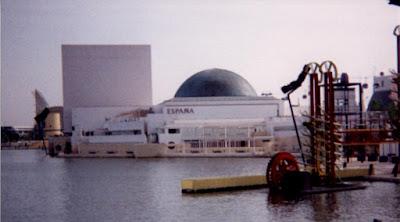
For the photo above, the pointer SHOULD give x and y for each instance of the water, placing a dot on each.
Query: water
(39, 188)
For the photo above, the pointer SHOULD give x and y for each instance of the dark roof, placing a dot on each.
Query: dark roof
(215, 82)
(380, 101)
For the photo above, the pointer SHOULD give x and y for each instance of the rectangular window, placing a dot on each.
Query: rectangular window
(193, 143)
(137, 132)
(173, 131)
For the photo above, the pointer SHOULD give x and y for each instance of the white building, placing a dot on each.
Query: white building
(105, 76)
(382, 99)
(214, 112)
(383, 82)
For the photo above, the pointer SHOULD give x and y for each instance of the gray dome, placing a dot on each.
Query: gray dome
(215, 82)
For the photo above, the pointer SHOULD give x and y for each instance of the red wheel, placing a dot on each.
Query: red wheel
(280, 164)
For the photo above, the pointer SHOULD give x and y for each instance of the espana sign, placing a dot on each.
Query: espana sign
(179, 110)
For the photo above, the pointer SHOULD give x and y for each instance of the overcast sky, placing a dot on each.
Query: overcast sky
(267, 42)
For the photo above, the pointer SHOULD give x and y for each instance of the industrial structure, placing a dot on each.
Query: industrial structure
(327, 132)
(334, 122)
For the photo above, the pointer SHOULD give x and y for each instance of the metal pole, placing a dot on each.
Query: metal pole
(398, 73)
(295, 127)
(313, 82)
(396, 32)
(331, 114)
(318, 124)
(361, 104)
(346, 104)
(326, 128)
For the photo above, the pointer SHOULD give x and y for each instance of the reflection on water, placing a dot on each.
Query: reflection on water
(323, 205)
(38, 188)
(279, 198)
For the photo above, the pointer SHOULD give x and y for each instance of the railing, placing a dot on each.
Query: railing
(187, 149)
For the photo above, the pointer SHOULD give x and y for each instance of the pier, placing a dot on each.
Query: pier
(380, 172)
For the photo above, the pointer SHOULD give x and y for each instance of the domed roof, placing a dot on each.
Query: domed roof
(215, 82)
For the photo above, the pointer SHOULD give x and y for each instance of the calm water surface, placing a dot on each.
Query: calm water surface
(35, 187)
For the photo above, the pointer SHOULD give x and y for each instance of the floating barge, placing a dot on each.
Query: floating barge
(212, 184)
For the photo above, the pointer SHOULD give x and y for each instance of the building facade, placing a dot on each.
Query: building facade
(214, 112)
(105, 76)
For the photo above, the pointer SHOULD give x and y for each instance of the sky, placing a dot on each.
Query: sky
(265, 41)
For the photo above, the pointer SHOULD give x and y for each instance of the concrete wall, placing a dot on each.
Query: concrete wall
(121, 150)
(105, 76)
(223, 107)
(221, 111)
(118, 139)
(95, 117)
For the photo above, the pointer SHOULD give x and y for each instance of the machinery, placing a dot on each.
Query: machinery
(326, 135)
(322, 130)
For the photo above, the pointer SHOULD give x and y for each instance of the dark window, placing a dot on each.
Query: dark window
(173, 131)
(137, 132)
